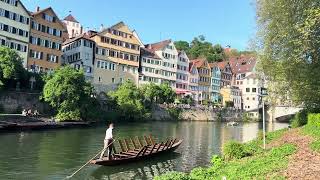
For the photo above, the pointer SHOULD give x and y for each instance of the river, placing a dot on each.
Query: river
(54, 154)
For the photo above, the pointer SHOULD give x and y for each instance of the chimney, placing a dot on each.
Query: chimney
(101, 27)
(81, 30)
(149, 46)
(37, 9)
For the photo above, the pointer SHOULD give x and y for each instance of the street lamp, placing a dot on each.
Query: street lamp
(263, 93)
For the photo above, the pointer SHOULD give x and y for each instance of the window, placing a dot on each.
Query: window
(112, 80)
(254, 89)
(247, 89)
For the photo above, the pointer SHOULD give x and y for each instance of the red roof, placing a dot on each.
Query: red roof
(222, 64)
(70, 18)
(242, 64)
(213, 64)
(198, 62)
(145, 52)
(159, 45)
(82, 36)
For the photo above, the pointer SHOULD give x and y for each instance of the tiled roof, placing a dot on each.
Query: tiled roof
(159, 45)
(222, 64)
(198, 62)
(213, 64)
(242, 64)
(71, 18)
(82, 36)
(145, 52)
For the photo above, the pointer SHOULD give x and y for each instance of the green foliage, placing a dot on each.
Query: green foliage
(173, 176)
(315, 145)
(129, 101)
(10, 65)
(167, 94)
(200, 48)
(314, 120)
(299, 119)
(187, 100)
(288, 39)
(234, 150)
(174, 112)
(267, 163)
(229, 104)
(68, 92)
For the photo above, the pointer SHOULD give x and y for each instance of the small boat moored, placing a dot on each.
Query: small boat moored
(233, 123)
(135, 150)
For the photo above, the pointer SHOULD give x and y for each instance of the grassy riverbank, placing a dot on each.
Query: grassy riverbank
(290, 153)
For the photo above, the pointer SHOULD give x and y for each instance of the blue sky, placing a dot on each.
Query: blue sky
(228, 22)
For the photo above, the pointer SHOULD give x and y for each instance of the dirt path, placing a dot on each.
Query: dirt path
(305, 163)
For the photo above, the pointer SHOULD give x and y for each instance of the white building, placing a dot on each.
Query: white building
(15, 27)
(159, 63)
(194, 81)
(73, 26)
(182, 82)
(79, 53)
(250, 95)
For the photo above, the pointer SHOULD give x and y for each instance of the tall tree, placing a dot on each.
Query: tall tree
(10, 65)
(289, 48)
(68, 92)
(182, 45)
(200, 48)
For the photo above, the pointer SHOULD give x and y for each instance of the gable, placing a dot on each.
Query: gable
(121, 27)
(50, 12)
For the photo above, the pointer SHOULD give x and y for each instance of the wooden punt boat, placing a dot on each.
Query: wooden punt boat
(138, 151)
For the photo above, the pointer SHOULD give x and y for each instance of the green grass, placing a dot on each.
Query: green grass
(259, 165)
(313, 131)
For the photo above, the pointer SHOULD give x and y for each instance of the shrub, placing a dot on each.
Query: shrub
(200, 173)
(234, 150)
(299, 119)
(315, 145)
(314, 120)
(173, 176)
(174, 113)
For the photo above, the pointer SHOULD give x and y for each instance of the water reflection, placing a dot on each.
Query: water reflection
(56, 154)
(140, 170)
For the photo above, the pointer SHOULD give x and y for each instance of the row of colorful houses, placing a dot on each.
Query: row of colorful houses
(115, 54)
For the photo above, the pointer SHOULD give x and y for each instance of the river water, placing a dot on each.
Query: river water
(55, 154)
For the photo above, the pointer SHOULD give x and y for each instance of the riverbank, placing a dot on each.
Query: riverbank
(22, 123)
(290, 154)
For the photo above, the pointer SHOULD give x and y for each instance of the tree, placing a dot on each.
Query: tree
(129, 101)
(10, 65)
(200, 48)
(182, 45)
(151, 92)
(289, 49)
(68, 92)
(167, 95)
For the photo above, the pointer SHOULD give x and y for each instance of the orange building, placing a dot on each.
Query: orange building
(46, 38)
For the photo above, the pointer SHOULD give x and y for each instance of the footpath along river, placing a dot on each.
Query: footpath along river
(54, 154)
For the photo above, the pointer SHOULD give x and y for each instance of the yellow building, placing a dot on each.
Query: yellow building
(45, 41)
(116, 57)
(231, 94)
(204, 72)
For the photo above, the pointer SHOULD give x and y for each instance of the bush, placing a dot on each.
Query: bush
(174, 113)
(173, 176)
(234, 150)
(299, 119)
(314, 120)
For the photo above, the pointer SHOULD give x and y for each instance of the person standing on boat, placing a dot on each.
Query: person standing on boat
(108, 140)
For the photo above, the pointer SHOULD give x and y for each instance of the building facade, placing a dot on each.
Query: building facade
(165, 58)
(182, 84)
(15, 27)
(204, 72)
(45, 41)
(231, 94)
(194, 81)
(79, 52)
(215, 83)
(73, 26)
(117, 57)
(250, 94)
(226, 73)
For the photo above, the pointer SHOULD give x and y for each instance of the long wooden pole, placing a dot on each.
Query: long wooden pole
(68, 177)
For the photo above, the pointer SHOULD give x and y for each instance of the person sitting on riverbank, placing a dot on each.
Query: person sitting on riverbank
(108, 140)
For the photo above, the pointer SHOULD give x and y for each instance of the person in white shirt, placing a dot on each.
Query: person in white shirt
(107, 142)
